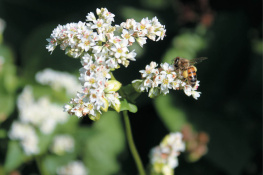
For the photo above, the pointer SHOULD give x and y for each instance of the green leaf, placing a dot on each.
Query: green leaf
(14, 157)
(130, 93)
(128, 106)
(52, 162)
(103, 142)
(37, 59)
(172, 117)
(129, 12)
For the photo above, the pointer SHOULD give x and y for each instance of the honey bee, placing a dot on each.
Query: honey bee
(188, 69)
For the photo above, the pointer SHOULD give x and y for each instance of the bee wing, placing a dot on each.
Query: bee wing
(197, 60)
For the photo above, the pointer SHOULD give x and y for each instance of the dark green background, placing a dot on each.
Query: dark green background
(230, 107)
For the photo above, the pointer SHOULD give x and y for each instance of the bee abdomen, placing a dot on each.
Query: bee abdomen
(192, 77)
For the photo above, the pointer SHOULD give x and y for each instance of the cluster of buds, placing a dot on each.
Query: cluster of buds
(164, 158)
(161, 80)
(101, 47)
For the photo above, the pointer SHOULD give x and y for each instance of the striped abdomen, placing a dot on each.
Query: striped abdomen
(192, 77)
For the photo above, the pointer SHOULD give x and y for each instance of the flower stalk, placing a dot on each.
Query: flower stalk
(129, 136)
(132, 146)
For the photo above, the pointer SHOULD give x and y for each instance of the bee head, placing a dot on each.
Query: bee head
(176, 62)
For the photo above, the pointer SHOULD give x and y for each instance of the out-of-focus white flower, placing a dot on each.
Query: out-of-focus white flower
(59, 80)
(73, 168)
(40, 113)
(62, 144)
(161, 80)
(26, 134)
(164, 157)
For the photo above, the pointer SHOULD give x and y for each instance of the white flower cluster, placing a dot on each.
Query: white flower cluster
(101, 48)
(27, 136)
(161, 80)
(62, 144)
(72, 168)
(41, 114)
(164, 158)
(59, 80)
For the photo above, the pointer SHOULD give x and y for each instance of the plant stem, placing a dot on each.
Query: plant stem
(132, 145)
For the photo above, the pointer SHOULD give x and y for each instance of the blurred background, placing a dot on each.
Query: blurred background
(223, 128)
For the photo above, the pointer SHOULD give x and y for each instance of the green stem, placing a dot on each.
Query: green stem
(132, 145)
(41, 169)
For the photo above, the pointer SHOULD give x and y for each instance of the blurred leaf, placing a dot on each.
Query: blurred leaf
(2, 170)
(172, 117)
(7, 104)
(128, 106)
(52, 162)
(14, 157)
(44, 142)
(155, 4)
(34, 60)
(185, 45)
(130, 12)
(2, 133)
(8, 81)
(103, 143)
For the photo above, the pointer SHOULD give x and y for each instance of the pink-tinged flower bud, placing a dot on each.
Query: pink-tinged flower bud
(112, 86)
(105, 105)
(95, 117)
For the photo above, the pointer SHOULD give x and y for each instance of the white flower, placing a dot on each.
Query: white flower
(128, 35)
(188, 90)
(59, 80)
(26, 134)
(91, 17)
(72, 168)
(141, 41)
(62, 144)
(196, 94)
(46, 120)
(160, 80)
(164, 157)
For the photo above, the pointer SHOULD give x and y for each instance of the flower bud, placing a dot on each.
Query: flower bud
(154, 92)
(115, 102)
(136, 84)
(95, 117)
(117, 105)
(112, 85)
(106, 105)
